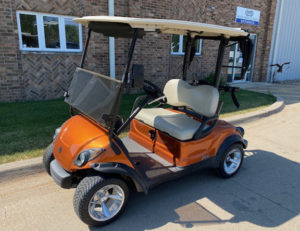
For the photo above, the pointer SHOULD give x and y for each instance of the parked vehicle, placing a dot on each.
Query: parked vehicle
(180, 135)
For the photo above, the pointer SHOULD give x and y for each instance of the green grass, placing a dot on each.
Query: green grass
(248, 100)
(26, 128)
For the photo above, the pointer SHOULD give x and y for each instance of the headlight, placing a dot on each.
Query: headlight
(87, 155)
(57, 131)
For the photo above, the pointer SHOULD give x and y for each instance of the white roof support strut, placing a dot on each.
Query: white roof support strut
(112, 66)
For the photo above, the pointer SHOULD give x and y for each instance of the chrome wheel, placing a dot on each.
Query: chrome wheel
(232, 161)
(106, 202)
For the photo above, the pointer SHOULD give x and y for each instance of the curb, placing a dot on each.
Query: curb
(274, 108)
(20, 168)
(33, 166)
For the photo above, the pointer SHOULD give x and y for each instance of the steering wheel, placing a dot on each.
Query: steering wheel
(152, 90)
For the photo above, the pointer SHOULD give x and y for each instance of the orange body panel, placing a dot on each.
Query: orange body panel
(140, 133)
(79, 133)
(181, 153)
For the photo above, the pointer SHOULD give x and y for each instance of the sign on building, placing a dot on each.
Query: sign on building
(247, 16)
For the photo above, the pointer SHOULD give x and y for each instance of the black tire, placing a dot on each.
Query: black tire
(48, 157)
(221, 168)
(86, 190)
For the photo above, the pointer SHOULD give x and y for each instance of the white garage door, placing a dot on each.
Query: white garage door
(286, 41)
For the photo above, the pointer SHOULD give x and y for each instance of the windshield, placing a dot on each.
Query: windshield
(94, 95)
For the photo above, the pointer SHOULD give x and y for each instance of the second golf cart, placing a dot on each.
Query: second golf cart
(180, 134)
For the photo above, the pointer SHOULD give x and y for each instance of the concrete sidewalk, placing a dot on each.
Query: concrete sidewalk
(290, 92)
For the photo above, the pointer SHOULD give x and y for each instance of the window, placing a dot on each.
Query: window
(178, 45)
(45, 32)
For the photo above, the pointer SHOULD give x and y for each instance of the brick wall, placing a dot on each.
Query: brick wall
(44, 75)
(11, 85)
(223, 13)
(161, 66)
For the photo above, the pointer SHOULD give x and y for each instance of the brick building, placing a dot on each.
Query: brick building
(40, 46)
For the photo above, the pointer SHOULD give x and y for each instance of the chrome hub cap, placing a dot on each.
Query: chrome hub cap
(106, 202)
(232, 161)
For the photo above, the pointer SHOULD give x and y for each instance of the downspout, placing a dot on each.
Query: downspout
(112, 66)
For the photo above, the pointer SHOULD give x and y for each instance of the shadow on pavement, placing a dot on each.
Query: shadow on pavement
(266, 192)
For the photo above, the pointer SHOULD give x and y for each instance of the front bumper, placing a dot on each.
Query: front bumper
(59, 175)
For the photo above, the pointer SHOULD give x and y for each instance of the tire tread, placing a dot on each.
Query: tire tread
(47, 158)
(220, 169)
(82, 196)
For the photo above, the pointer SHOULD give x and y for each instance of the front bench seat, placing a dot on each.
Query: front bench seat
(202, 99)
(177, 125)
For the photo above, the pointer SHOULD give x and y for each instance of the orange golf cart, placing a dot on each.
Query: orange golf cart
(180, 134)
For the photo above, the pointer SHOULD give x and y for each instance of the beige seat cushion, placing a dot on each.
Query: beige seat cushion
(148, 115)
(177, 125)
(203, 99)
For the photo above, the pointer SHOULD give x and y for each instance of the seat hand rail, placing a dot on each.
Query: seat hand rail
(201, 132)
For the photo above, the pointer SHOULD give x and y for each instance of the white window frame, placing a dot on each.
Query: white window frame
(41, 34)
(180, 50)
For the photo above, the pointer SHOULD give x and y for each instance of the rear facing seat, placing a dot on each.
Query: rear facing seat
(202, 99)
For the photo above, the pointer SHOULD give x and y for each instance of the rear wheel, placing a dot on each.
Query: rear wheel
(48, 157)
(231, 161)
(99, 201)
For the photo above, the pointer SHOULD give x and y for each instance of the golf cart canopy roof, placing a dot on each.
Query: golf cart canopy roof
(114, 26)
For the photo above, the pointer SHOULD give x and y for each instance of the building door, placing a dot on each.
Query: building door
(285, 46)
(234, 71)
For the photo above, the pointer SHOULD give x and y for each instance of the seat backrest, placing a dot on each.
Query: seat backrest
(203, 99)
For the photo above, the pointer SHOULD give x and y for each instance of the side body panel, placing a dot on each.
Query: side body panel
(182, 153)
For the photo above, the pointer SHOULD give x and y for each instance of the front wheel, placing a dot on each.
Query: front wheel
(231, 161)
(99, 201)
(47, 158)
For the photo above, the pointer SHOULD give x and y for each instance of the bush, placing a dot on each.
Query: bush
(211, 78)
